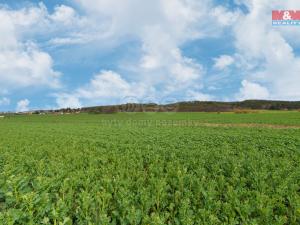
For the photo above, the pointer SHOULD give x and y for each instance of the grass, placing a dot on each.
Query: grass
(261, 117)
(83, 169)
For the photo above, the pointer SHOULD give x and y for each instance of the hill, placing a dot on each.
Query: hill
(197, 106)
(191, 106)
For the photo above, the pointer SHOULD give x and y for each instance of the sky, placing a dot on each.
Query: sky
(58, 54)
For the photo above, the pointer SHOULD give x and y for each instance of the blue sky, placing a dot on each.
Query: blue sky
(56, 54)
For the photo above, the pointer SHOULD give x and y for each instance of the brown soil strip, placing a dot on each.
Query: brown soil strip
(250, 125)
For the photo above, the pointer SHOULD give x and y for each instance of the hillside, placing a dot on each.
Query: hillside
(192, 106)
(197, 106)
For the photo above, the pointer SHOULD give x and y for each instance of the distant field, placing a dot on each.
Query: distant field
(90, 169)
(262, 117)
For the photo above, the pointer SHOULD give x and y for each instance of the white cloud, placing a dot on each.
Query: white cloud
(66, 27)
(64, 14)
(176, 20)
(67, 101)
(225, 17)
(107, 87)
(123, 15)
(267, 52)
(4, 101)
(23, 64)
(266, 55)
(198, 96)
(34, 21)
(223, 62)
(162, 27)
(23, 105)
(250, 90)
(162, 57)
(107, 84)
(27, 66)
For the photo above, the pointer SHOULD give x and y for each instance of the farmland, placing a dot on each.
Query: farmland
(150, 168)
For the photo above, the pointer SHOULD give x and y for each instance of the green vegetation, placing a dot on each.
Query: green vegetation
(195, 106)
(111, 169)
(262, 117)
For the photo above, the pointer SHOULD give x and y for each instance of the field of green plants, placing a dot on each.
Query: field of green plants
(116, 169)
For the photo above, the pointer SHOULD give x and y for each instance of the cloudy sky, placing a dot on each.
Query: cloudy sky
(73, 53)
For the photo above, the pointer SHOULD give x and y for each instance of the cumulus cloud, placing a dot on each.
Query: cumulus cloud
(107, 87)
(223, 62)
(65, 100)
(163, 64)
(250, 90)
(107, 84)
(23, 105)
(64, 14)
(265, 58)
(262, 55)
(266, 52)
(185, 14)
(224, 16)
(27, 66)
(162, 27)
(22, 63)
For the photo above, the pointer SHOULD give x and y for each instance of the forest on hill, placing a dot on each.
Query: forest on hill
(197, 106)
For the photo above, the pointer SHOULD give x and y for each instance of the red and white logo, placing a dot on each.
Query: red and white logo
(286, 17)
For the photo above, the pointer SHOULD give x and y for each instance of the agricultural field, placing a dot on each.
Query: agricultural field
(151, 168)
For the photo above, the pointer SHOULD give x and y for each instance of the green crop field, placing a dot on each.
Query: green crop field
(150, 168)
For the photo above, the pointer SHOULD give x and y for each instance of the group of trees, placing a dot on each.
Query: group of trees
(193, 106)
(196, 106)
